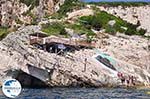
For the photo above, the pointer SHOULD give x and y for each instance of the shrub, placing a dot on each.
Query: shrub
(3, 32)
(101, 19)
(59, 29)
(142, 32)
(111, 30)
(130, 31)
(63, 32)
(81, 29)
(54, 29)
(68, 6)
(91, 22)
(89, 39)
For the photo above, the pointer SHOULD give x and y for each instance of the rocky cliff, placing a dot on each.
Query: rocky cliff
(16, 12)
(68, 69)
(118, 53)
(140, 15)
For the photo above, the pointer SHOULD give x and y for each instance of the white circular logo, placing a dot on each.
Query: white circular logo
(11, 88)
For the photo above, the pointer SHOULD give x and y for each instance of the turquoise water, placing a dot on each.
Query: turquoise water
(81, 93)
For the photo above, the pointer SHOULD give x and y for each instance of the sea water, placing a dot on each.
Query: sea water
(82, 93)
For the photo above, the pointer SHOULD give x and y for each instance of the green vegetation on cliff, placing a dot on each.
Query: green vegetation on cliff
(68, 6)
(3, 32)
(54, 29)
(123, 4)
(85, 24)
(101, 19)
(81, 29)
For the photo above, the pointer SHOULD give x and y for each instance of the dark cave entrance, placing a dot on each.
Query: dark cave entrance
(26, 80)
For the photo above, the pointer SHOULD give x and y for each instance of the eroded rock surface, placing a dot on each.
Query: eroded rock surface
(132, 14)
(16, 12)
(67, 69)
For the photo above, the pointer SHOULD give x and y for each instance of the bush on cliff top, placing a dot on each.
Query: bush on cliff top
(59, 29)
(80, 29)
(68, 6)
(54, 29)
(100, 21)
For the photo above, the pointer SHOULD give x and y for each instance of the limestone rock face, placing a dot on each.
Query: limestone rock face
(132, 14)
(130, 54)
(68, 70)
(63, 70)
(132, 49)
(10, 11)
(13, 12)
(47, 7)
(80, 13)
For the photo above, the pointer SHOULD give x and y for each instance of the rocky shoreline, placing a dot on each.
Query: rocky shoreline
(113, 59)
(57, 70)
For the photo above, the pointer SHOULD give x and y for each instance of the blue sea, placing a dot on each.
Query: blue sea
(82, 93)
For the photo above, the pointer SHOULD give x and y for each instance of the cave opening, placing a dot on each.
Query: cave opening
(26, 80)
